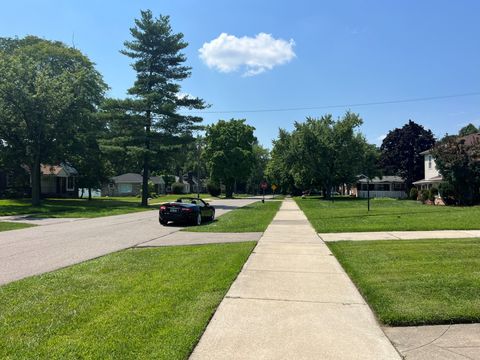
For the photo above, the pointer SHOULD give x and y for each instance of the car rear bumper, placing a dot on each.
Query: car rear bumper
(180, 217)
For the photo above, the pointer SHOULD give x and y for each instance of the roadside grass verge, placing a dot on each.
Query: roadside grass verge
(5, 226)
(250, 218)
(417, 282)
(80, 208)
(134, 304)
(350, 215)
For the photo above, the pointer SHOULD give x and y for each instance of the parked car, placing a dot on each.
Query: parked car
(186, 210)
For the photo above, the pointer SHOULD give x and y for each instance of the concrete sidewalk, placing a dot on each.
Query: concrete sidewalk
(293, 300)
(400, 235)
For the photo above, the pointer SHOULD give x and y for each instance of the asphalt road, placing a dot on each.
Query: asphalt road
(37, 250)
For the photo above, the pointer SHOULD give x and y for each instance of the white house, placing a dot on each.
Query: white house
(386, 186)
(432, 176)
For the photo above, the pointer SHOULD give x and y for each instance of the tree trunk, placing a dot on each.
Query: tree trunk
(36, 185)
(89, 193)
(229, 189)
(146, 161)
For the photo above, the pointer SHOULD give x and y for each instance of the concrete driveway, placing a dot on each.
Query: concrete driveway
(45, 248)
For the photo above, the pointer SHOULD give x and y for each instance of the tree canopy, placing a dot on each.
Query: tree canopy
(228, 152)
(400, 151)
(49, 94)
(468, 129)
(321, 153)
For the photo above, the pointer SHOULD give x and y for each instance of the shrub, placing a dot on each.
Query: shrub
(213, 188)
(432, 193)
(447, 192)
(424, 195)
(177, 188)
(413, 193)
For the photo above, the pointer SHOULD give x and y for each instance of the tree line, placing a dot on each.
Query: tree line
(54, 108)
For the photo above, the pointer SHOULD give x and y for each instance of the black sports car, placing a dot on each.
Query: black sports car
(186, 210)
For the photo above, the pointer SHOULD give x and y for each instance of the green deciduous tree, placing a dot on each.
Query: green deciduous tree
(468, 129)
(400, 152)
(156, 97)
(48, 94)
(321, 153)
(261, 157)
(229, 152)
(279, 168)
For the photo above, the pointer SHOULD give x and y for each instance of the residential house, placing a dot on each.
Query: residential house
(432, 177)
(58, 180)
(159, 184)
(130, 184)
(384, 187)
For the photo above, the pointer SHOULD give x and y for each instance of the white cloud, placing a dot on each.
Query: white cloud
(253, 55)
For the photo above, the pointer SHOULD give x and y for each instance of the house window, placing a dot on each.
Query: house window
(124, 188)
(70, 183)
(429, 161)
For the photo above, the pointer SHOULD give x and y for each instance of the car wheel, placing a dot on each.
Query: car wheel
(213, 216)
(164, 222)
(199, 219)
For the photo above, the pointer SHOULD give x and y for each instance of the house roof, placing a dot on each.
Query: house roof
(134, 178)
(434, 179)
(383, 180)
(62, 170)
(157, 180)
(131, 178)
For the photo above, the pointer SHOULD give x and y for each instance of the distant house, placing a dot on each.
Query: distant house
(159, 184)
(58, 180)
(130, 184)
(432, 176)
(387, 186)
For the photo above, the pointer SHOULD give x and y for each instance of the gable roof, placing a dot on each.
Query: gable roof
(62, 170)
(131, 178)
(157, 180)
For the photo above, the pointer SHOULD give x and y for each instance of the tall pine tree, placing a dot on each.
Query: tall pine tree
(156, 96)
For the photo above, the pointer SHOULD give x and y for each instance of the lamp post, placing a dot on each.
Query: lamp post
(198, 166)
(368, 189)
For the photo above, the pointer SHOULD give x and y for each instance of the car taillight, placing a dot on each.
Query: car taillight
(163, 207)
(187, 209)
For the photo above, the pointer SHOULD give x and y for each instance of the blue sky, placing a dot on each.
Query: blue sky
(317, 53)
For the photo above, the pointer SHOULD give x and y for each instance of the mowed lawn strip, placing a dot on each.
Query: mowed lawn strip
(350, 215)
(417, 282)
(5, 226)
(80, 208)
(134, 304)
(251, 218)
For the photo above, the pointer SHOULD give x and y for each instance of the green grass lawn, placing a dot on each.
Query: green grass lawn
(350, 215)
(416, 282)
(251, 218)
(134, 304)
(5, 226)
(80, 208)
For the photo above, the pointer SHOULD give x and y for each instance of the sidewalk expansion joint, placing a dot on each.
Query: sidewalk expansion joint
(396, 237)
(289, 254)
(295, 271)
(295, 301)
